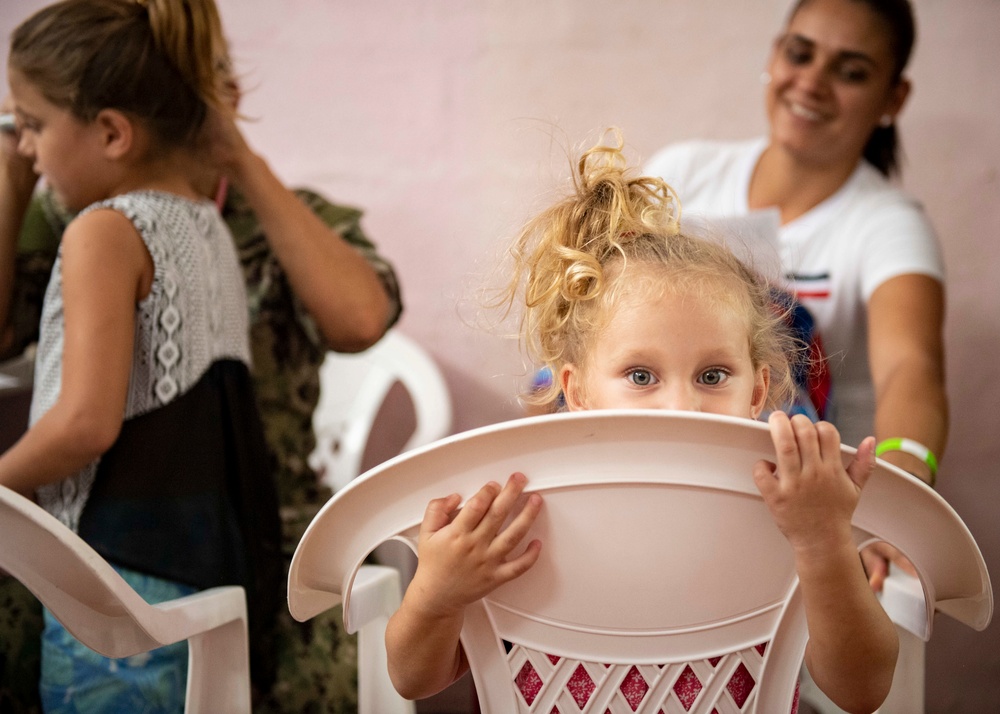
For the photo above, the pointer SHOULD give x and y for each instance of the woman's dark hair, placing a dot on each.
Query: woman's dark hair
(883, 150)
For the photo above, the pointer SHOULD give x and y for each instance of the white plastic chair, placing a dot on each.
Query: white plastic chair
(353, 388)
(102, 611)
(662, 584)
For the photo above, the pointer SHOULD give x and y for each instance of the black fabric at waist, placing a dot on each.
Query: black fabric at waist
(185, 493)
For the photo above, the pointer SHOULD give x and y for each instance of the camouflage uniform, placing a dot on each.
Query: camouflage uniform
(317, 669)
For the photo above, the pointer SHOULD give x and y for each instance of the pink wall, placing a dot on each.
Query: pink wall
(449, 121)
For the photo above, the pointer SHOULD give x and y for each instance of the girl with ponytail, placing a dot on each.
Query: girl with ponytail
(144, 435)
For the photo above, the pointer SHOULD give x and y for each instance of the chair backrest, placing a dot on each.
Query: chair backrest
(663, 583)
(353, 388)
(101, 610)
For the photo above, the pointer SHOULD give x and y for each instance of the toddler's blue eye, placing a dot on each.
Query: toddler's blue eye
(713, 377)
(640, 377)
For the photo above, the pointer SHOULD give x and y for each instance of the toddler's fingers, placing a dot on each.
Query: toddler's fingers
(514, 533)
(439, 513)
(863, 464)
(829, 441)
(520, 565)
(808, 440)
(477, 507)
(764, 475)
(502, 505)
(786, 447)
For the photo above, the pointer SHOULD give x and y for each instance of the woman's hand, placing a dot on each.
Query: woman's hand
(333, 280)
(906, 356)
(222, 142)
(878, 557)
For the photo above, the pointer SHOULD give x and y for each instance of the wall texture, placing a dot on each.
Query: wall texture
(451, 121)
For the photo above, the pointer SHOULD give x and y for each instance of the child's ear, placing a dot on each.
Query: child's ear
(762, 382)
(570, 382)
(117, 132)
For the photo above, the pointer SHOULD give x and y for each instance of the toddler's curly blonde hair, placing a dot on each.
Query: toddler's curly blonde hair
(571, 262)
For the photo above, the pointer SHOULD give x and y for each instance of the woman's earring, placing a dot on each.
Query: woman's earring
(765, 77)
(886, 121)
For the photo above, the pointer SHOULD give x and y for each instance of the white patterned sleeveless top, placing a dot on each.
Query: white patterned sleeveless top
(194, 315)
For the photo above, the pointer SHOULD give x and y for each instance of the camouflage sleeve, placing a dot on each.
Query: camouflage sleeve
(347, 222)
(37, 247)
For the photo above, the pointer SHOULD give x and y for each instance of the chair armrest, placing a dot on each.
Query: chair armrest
(184, 617)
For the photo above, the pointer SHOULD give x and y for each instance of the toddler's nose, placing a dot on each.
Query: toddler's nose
(680, 398)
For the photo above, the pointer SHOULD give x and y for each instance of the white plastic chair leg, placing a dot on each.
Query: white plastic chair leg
(379, 592)
(903, 598)
(218, 690)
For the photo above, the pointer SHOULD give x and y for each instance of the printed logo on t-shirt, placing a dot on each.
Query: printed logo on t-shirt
(809, 287)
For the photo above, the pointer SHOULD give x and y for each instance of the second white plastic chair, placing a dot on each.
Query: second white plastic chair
(353, 389)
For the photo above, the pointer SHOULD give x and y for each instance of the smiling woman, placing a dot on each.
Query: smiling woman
(835, 87)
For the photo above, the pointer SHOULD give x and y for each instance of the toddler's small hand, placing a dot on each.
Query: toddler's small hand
(465, 555)
(810, 494)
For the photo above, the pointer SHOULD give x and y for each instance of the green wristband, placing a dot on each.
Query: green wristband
(913, 448)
